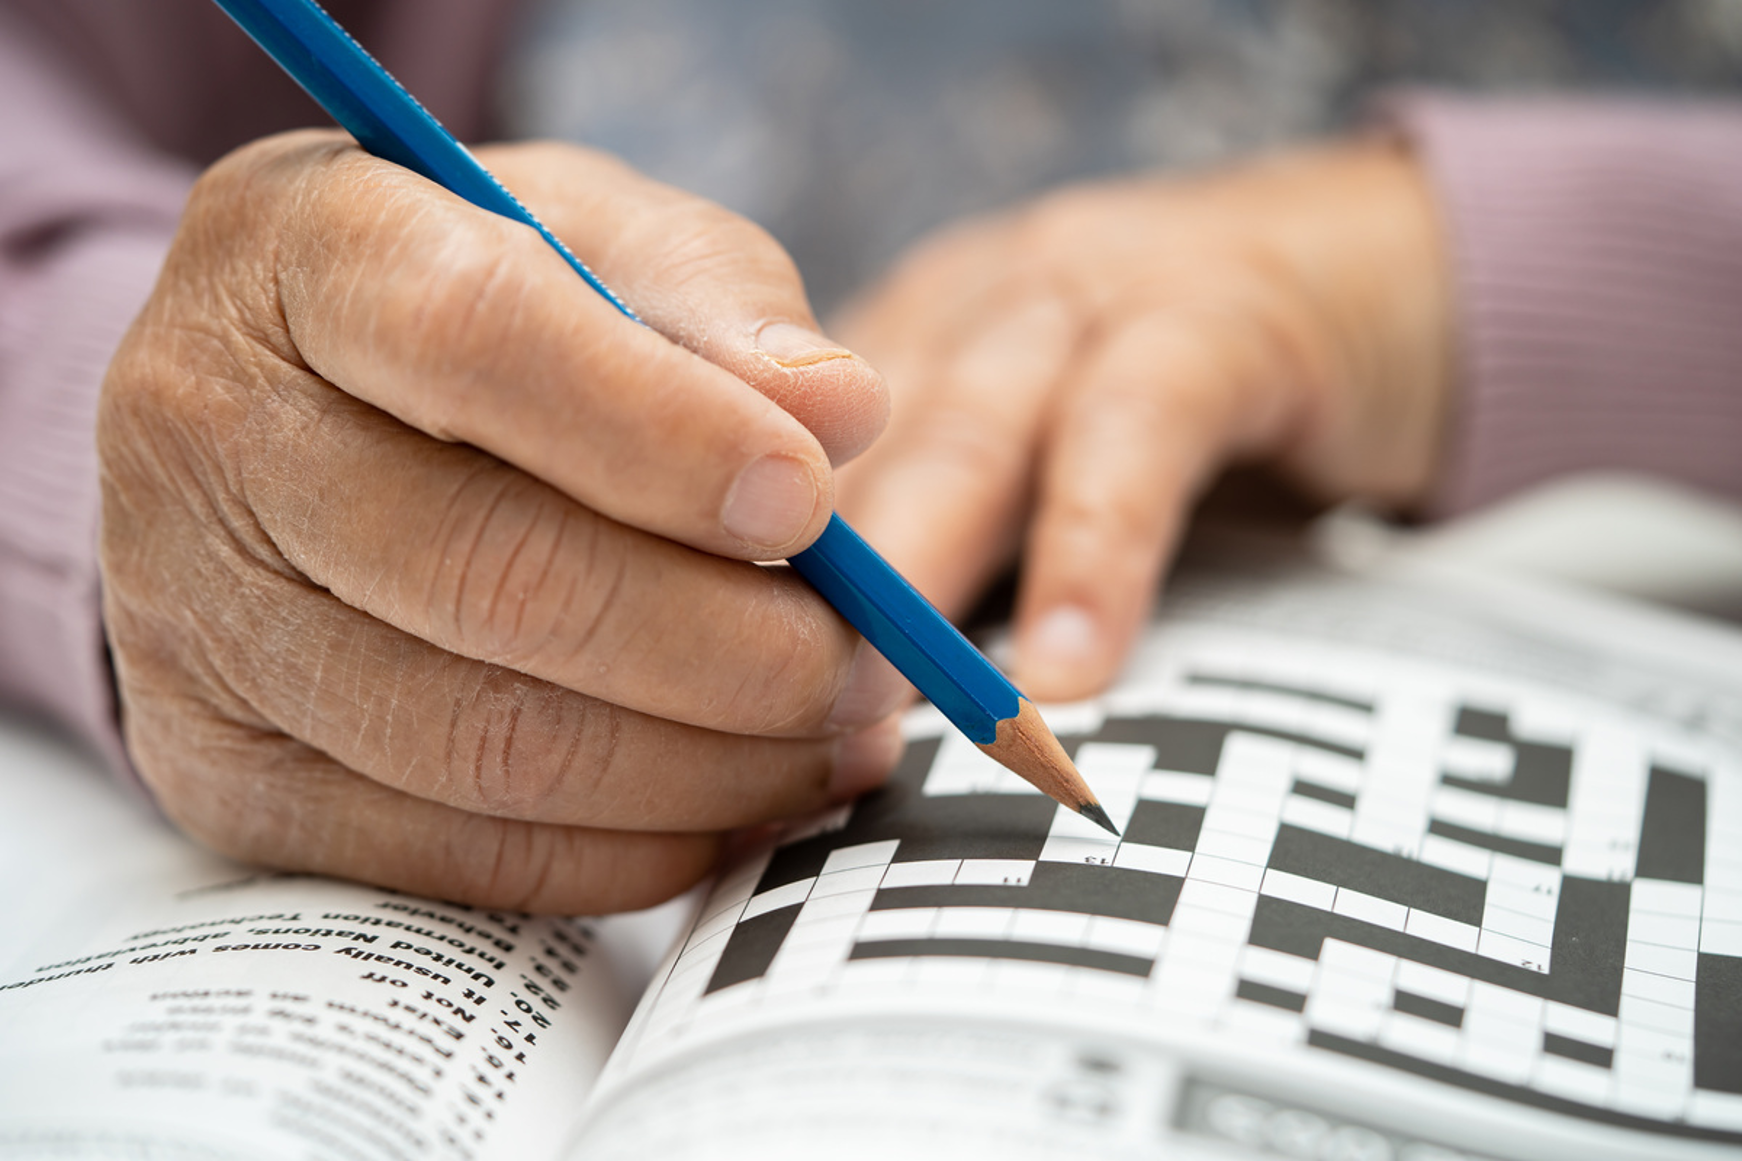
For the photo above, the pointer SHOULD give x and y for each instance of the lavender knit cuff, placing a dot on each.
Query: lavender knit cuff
(64, 324)
(1597, 254)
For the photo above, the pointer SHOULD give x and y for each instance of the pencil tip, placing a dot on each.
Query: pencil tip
(1027, 746)
(1093, 812)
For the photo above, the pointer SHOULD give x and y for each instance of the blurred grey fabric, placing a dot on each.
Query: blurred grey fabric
(849, 127)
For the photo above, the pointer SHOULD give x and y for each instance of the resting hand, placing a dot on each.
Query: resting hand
(1067, 377)
(418, 557)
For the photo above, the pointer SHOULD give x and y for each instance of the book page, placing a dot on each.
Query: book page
(159, 1001)
(1406, 870)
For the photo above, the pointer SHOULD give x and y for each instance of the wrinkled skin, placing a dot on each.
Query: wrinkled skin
(1068, 376)
(425, 567)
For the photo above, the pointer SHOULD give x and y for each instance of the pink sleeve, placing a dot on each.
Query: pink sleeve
(85, 216)
(1597, 253)
(107, 110)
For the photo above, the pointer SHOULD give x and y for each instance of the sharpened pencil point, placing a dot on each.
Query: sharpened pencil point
(1027, 746)
(1093, 812)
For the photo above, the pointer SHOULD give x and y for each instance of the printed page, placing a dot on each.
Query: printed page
(158, 1001)
(1405, 871)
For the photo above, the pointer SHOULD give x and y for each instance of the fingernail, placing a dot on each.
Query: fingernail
(792, 346)
(873, 691)
(863, 760)
(770, 502)
(1066, 638)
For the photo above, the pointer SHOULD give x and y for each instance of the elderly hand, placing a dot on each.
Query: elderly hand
(1068, 376)
(423, 566)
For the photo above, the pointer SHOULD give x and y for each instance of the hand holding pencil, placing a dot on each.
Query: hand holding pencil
(425, 566)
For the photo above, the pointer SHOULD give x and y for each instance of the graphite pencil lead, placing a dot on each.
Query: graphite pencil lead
(1093, 812)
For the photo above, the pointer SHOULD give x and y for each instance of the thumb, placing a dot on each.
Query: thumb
(705, 278)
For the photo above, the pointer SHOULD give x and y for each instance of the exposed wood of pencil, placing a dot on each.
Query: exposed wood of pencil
(1026, 744)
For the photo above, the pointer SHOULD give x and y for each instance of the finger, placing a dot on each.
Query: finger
(267, 799)
(1157, 406)
(467, 326)
(942, 494)
(486, 739)
(286, 656)
(705, 278)
(458, 549)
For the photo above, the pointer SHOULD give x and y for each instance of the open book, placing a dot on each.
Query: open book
(1411, 869)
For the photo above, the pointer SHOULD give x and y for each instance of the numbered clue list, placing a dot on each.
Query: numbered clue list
(276, 1015)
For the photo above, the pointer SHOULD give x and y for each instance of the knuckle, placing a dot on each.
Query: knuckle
(1099, 514)
(790, 688)
(477, 860)
(1150, 404)
(1122, 522)
(1060, 222)
(1105, 548)
(243, 207)
(541, 869)
(501, 864)
(522, 750)
(241, 173)
(522, 568)
(591, 616)
(210, 345)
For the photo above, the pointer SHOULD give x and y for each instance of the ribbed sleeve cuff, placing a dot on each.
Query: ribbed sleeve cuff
(1597, 253)
(60, 329)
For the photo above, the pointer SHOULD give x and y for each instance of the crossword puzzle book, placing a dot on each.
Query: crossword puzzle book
(1409, 870)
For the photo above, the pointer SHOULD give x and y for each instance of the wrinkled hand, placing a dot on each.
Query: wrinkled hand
(415, 552)
(1067, 377)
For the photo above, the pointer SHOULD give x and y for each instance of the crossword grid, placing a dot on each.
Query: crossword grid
(1508, 900)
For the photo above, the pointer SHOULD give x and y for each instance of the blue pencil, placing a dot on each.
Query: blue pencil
(388, 121)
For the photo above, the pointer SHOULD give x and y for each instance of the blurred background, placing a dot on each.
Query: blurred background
(850, 127)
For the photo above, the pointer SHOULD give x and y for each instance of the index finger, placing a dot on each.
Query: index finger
(470, 328)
